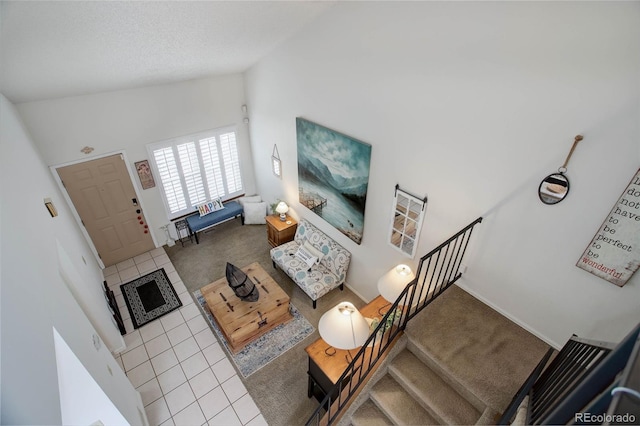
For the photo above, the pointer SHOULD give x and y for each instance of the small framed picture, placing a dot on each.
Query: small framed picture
(144, 173)
(50, 207)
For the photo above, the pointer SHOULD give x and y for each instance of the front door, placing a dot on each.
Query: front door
(103, 195)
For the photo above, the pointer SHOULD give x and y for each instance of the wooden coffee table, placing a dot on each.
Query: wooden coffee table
(243, 322)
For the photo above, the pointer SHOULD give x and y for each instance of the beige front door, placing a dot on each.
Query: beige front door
(102, 193)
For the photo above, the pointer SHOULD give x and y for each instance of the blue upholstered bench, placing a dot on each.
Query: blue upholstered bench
(199, 223)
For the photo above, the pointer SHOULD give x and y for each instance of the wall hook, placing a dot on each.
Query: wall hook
(563, 168)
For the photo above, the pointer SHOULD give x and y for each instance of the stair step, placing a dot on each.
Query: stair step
(426, 385)
(423, 354)
(368, 414)
(398, 405)
(489, 417)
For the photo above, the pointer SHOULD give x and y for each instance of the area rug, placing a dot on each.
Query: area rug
(267, 347)
(150, 297)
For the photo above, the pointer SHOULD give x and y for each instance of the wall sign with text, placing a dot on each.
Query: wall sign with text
(614, 252)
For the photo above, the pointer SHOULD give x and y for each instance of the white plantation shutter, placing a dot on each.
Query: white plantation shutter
(231, 161)
(212, 167)
(170, 178)
(192, 173)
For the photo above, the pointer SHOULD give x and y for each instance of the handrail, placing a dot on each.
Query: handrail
(449, 253)
(579, 382)
(435, 289)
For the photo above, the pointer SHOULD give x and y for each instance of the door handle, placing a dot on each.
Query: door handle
(135, 201)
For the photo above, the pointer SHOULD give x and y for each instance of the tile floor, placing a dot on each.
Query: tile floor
(175, 362)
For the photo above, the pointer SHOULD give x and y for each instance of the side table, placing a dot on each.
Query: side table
(324, 371)
(182, 230)
(279, 232)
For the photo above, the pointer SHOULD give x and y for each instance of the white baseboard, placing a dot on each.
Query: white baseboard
(356, 293)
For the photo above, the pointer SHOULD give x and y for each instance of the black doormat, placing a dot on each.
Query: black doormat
(150, 297)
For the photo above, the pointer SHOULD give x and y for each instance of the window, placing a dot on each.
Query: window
(197, 168)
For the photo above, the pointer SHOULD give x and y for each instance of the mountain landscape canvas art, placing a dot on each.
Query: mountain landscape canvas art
(333, 176)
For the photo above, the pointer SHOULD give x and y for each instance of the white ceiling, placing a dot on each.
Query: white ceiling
(52, 49)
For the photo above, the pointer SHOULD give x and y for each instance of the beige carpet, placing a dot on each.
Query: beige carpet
(487, 353)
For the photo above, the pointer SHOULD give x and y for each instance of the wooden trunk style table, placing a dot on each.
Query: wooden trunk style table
(243, 322)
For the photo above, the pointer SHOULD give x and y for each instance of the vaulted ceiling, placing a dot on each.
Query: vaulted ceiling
(53, 49)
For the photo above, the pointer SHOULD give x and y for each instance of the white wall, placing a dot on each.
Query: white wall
(129, 119)
(76, 384)
(42, 261)
(472, 104)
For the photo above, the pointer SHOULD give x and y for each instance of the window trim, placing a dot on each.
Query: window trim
(195, 138)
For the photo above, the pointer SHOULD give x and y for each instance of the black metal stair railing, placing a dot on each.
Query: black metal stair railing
(575, 360)
(578, 385)
(437, 271)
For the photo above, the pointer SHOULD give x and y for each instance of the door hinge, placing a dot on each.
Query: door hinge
(63, 183)
(82, 221)
(99, 256)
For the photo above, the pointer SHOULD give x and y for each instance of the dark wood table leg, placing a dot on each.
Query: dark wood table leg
(310, 387)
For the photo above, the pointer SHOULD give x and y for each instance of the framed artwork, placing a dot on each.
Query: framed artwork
(50, 207)
(333, 176)
(144, 173)
(614, 252)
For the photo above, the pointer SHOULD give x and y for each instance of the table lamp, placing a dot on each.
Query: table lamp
(343, 327)
(391, 284)
(282, 208)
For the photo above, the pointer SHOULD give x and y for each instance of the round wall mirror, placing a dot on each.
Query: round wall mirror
(554, 188)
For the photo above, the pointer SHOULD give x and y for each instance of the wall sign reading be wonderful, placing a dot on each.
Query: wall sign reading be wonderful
(614, 253)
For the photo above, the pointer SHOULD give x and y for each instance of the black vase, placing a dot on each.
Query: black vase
(241, 284)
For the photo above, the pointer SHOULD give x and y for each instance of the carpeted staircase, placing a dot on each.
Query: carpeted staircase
(414, 393)
(459, 363)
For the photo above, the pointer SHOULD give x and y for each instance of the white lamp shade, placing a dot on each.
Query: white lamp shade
(391, 284)
(344, 327)
(282, 207)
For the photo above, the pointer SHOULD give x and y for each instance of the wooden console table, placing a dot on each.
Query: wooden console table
(324, 370)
